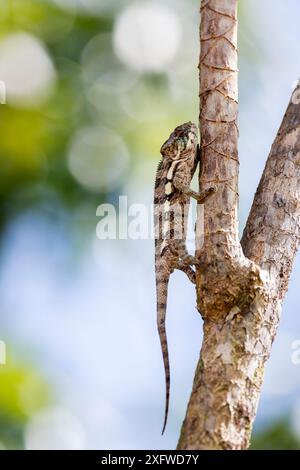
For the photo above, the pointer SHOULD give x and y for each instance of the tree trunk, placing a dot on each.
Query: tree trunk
(240, 286)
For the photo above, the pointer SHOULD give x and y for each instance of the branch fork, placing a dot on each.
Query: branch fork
(240, 285)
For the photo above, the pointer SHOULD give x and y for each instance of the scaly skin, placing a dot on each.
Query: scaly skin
(171, 201)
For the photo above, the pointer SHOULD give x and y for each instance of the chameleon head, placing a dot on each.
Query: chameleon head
(183, 138)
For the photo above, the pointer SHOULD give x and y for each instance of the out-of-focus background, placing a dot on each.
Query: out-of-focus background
(93, 87)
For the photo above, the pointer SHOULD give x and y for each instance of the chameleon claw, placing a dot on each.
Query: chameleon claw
(212, 189)
(203, 195)
(207, 192)
(190, 260)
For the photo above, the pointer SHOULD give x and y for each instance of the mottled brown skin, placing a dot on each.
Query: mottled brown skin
(171, 200)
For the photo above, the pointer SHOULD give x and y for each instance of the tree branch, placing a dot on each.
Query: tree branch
(271, 235)
(239, 292)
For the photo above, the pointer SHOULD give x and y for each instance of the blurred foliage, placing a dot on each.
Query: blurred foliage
(22, 393)
(276, 437)
(34, 141)
(33, 157)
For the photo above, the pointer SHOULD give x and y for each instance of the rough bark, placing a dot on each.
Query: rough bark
(240, 286)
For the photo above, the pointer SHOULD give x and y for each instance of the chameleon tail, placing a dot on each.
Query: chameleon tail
(162, 281)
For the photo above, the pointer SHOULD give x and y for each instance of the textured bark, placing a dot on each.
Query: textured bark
(240, 286)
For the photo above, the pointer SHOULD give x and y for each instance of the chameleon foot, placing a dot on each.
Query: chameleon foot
(189, 260)
(203, 195)
(187, 270)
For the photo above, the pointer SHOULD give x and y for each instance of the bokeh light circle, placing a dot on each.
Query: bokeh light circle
(147, 36)
(102, 70)
(26, 70)
(54, 429)
(98, 158)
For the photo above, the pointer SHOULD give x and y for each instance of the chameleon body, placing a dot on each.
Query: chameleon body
(172, 194)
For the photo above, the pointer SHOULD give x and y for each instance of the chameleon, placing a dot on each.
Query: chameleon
(172, 193)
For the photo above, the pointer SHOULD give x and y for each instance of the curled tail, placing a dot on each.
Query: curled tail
(162, 281)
